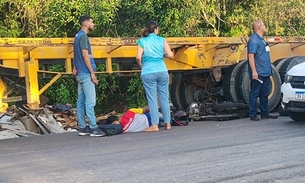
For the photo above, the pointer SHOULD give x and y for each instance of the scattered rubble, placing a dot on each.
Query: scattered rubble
(59, 118)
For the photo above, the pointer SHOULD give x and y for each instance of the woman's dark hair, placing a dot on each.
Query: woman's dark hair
(111, 119)
(149, 28)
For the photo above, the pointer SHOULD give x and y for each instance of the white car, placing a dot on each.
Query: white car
(293, 92)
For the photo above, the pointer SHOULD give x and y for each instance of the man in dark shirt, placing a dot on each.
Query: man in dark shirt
(84, 69)
(260, 70)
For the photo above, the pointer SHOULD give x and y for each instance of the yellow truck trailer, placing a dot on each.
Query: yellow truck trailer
(203, 68)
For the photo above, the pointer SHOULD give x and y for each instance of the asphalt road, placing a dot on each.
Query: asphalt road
(206, 151)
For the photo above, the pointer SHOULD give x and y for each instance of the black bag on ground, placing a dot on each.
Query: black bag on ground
(180, 122)
(56, 107)
(181, 118)
(111, 129)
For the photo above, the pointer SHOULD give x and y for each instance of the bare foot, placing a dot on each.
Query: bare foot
(152, 128)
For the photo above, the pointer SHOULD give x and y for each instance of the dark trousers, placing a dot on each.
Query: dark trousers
(261, 91)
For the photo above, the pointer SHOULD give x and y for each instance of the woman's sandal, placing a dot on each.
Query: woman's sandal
(168, 127)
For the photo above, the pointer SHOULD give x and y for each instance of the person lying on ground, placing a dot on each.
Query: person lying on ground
(135, 120)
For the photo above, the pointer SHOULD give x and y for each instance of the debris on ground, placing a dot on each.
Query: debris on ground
(59, 118)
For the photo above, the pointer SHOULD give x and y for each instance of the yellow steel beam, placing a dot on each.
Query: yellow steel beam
(109, 65)
(34, 41)
(229, 55)
(105, 41)
(184, 58)
(21, 63)
(53, 52)
(27, 49)
(210, 51)
(45, 87)
(125, 71)
(112, 48)
(3, 105)
(8, 53)
(13, 57)
(205, 55)
(31, 81)
(98, 72)
(189, 54)
(10, 63)
(68, 64)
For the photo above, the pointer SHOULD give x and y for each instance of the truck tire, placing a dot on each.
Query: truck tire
(189, 93)
(230, 86)
(177, 92)
(183, 95)
(296, 116)
(278, 63)
(288, 64)
(275, 93)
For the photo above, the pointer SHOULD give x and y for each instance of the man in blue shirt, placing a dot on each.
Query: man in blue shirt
(260, 70)
(84, 69)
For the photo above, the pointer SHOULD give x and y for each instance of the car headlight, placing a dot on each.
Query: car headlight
(288, 78)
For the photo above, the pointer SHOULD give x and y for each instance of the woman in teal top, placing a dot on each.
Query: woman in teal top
(155, 78)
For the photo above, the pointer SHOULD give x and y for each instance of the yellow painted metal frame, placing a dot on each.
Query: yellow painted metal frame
(3, 105)
(194, 53)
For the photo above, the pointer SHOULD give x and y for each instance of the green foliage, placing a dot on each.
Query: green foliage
(176, 17)
(53, 18)
(64, 90)
(126, 18)
(136, 95)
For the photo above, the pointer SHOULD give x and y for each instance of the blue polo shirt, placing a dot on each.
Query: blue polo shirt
(81, 42)
(257, 45)
(152, 59)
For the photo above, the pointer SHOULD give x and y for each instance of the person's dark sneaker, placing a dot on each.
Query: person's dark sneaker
(254, 118)
(268, 116)
(97, 132)
(84, 131)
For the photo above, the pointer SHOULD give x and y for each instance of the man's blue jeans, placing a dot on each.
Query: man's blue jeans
(261, 91)
(86, 100)
(157, 83)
